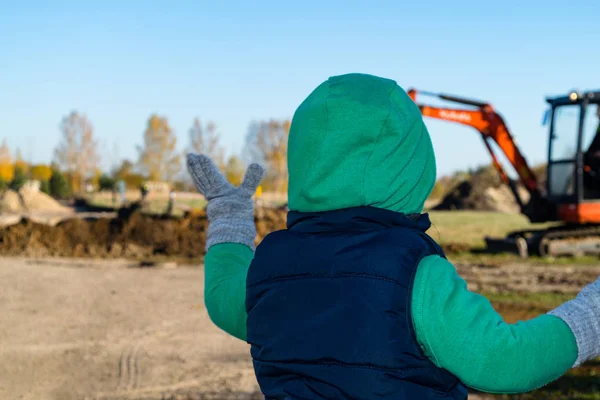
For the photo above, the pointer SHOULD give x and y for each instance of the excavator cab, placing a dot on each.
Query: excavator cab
(573, 183)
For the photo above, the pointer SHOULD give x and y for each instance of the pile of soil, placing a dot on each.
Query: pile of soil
(131, 235)
(34, 200)
(27, 200)
(482, 191)
(10, 202)
(135, 236)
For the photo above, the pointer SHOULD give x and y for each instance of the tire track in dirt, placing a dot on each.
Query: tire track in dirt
(129, 377)
(129, 369)
(212, 380)
(102, 330)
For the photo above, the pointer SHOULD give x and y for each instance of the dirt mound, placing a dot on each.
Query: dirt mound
(269, 220)
(502, 199)
(482, 191)
(10, 202)
(34, 200)
(133, 236)
(136, 236)
(27, 200)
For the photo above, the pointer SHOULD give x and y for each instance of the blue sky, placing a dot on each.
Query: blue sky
(234, 62)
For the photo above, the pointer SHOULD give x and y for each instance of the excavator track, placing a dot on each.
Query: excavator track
(577, 241)
(564, 240)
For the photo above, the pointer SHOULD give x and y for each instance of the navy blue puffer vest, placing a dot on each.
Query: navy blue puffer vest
(328, 304)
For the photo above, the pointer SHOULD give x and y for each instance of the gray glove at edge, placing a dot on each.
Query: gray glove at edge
(582, 315)
(230, 209)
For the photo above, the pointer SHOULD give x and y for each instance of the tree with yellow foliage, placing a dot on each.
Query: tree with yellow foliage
(7, 172)
(7, 169)
(158, 156)
(41, 172)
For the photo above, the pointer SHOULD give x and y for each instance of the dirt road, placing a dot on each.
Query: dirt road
(85, 330)
(111, 330)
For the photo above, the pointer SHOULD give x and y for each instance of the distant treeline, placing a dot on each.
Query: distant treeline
(76, 164)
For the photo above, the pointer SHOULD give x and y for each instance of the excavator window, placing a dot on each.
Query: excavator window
(563, 151)
(590, 144)
(566, 131)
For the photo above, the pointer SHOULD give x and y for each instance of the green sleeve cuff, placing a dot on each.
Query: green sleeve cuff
(461, 332)
(225, 270)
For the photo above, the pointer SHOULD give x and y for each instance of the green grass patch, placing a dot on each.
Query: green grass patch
(468, 230)
(471, 227)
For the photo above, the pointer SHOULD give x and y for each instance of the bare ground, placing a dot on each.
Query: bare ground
(527, 278)
(97, 330)
(107, 330)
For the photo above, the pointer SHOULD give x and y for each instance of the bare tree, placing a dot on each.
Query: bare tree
(267, 143)
(115, 158)
(205, 140)
(5, 157)
(20, 162)
(19, 155)
(158, 156)
(251, 152)
(78, 152)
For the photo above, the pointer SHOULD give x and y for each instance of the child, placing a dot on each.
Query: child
(354, 300)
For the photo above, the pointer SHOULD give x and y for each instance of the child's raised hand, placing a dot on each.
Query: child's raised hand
(582, 314)
(230, 209)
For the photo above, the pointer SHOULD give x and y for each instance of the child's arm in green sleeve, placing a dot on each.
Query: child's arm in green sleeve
(461, 332)
(229, 241)
(225, 269)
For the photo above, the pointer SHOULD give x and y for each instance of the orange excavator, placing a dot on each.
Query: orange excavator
(571, 196)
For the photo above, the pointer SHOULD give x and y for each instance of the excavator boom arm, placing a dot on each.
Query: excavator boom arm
(491, 126)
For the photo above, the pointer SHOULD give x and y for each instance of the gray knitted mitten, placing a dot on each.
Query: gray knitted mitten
(582, 314)
(230, 209)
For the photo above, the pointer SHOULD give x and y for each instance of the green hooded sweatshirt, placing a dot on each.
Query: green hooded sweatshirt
(359, 140)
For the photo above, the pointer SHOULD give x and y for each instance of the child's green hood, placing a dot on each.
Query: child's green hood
(359, 140)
